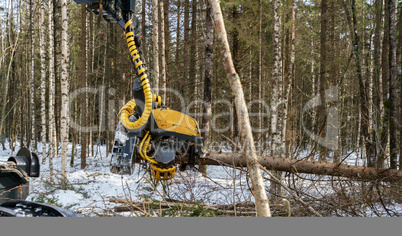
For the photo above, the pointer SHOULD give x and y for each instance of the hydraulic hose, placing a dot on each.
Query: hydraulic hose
(128, 109)
(143, 149)
(141, 71)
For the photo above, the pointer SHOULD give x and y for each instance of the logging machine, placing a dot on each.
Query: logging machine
(146, 128)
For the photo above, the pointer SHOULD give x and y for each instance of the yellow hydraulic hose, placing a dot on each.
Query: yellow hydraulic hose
(141, 71)
(128, 109)
(143, 149)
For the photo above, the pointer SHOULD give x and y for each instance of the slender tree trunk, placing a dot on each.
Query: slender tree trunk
(185, 67)
(83, 78)
(52, 136)
(260, 84)
(399, 60)
(32, 79)
(313, 77)
(377, 80)
(209, 59)
(393, 73)
(177, 53)
(371, 87)
(321, 117)
(155, 41)
(258, 188)
(383, 134)
(276, 99)
(192, 68)
(64, 91)
(166, 48)
(43, 78)
(290, 79)
(162, 50)
(91, 63)
(143, 34)
(250, 75)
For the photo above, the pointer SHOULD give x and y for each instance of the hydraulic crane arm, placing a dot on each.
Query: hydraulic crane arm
(163, 134)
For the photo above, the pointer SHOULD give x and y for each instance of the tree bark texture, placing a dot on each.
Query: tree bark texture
(308, 167)
(155, 42)
(64, 90)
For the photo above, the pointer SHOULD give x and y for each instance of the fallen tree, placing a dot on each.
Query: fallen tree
(308, 167)
(237, 209)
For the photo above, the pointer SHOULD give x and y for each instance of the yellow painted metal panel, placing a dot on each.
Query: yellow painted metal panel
(174, 121)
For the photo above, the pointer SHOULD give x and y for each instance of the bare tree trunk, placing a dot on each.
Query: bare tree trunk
(400, 84)
(52, 136)
(193, 52)
(276, 139)
(383, 77)
(371, 87)
(261, 200)
(64, 90)
(166, 26)
(143, 35)
(290, 78)
(321, 117)
(313, 77)
(155, 42)
(209, 59)
(43, 78)
(177, 53)
(162, 50)
(32, 79)
(393, 73)
(260, 84)
(83, 78)
(250, 76)
(185, 66)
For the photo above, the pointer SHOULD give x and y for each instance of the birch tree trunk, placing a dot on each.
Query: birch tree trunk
(32, 79)
(209, 59)
(162, 50)
(290, 78)
(42, 78)
(155, 42)
(64, 90)
(261, 200)
(193, 54)
(276, 141)
(371, 84)
(52, 136)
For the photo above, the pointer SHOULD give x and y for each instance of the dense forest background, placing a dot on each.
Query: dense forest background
(336, 81)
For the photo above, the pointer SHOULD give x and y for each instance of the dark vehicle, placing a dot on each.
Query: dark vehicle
(14, 188)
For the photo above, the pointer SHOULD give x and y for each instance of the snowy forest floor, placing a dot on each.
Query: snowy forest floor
(93, 191)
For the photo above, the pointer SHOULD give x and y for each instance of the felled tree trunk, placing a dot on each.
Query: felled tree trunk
(308, 167)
